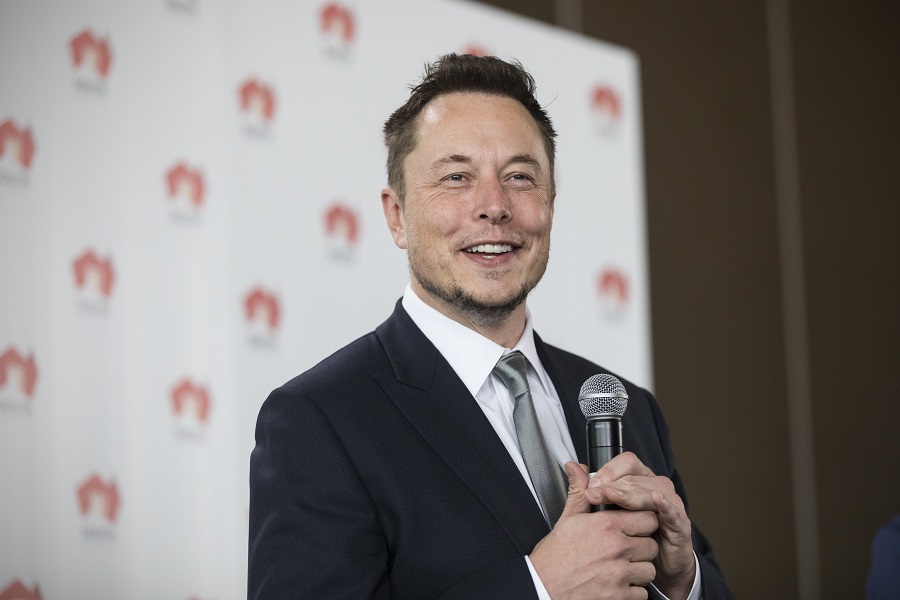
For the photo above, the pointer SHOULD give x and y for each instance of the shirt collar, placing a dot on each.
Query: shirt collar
(471, 355)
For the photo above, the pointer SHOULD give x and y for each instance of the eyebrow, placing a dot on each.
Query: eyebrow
(451, 159)
(462, 158)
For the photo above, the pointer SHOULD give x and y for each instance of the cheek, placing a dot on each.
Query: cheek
(437, 221)
(539, 219)
(535, 209)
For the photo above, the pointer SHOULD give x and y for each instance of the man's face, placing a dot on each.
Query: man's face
(478, 209)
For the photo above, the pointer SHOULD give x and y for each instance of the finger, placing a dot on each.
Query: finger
(642, 574)
(578, 477)
(620, 466)
(638, 493)
(643, 549)
(576, 502)
(606, 494)
(669, 512)
(636, 592)
(642, 523)
(674, 523)
(621, 494)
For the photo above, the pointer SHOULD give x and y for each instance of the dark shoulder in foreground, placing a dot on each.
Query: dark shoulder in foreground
(337, 375)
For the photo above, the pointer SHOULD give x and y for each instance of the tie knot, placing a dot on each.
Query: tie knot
(511, 369)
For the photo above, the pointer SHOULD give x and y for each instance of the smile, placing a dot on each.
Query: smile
(490, 249)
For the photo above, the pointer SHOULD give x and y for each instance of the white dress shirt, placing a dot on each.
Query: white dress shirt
(473, 357)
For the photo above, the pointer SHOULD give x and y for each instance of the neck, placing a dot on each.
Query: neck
(503, 330)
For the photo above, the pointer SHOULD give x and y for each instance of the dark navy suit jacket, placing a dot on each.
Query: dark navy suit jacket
(377, 475)
(883, 582)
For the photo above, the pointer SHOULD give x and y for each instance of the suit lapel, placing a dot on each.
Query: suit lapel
(434, 400)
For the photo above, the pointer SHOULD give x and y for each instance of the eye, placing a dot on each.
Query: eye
(455, 179)
(521, 180)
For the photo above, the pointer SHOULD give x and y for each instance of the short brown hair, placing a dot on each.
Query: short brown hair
(453, 73)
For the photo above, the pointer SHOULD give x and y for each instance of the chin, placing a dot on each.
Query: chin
(490, 310)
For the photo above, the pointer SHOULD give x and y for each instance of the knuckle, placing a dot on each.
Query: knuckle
(621, 572)
(610, 522)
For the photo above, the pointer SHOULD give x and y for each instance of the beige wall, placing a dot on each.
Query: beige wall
(722, 362)
(848, 92)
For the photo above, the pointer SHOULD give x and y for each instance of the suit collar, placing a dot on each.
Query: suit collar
(471, 355)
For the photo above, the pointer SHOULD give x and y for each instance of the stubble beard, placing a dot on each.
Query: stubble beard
(481, 313)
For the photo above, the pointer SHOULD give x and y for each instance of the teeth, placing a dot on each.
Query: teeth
(491, 248)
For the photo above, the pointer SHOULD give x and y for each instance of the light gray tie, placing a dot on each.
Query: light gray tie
(546, 474)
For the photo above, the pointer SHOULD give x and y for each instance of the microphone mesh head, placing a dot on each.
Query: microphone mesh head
(601, 395)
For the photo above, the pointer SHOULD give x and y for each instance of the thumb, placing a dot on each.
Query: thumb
(576, 503)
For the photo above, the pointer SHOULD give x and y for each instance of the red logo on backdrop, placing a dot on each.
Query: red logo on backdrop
(97, 497)
(91, 56)
(257, 100)
(341, 229)
(261, 309)
(17, 591)
(338, 27)
(185, 186)
(190, 399)
(16, 144)
(476, 50)
(18, 372)
(606, 108)
(614, 292)
(337, 20)
(93, 274)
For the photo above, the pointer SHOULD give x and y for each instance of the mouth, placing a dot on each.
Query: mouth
(489, 249)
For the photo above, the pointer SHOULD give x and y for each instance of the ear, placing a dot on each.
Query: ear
(393, 214)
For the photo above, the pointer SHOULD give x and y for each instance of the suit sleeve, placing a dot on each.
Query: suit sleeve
(313, 530)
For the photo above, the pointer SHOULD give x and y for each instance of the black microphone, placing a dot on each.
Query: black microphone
(603, 401)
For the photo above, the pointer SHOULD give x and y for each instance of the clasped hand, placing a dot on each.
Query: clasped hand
(615, 553)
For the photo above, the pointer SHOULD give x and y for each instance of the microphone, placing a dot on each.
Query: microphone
(603, 401)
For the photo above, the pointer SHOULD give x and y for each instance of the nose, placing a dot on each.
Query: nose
(492, 203)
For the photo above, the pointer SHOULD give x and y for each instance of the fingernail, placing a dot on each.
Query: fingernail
(568, 469)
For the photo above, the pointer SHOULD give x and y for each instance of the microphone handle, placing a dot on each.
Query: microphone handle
(604, 442)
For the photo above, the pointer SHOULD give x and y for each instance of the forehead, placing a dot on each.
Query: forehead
(477, 118)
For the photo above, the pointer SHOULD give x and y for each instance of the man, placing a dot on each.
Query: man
(403, 466)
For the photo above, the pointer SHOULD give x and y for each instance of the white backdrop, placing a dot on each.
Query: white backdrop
(190, 216)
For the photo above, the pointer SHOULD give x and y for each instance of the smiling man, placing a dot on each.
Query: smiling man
(478, 159)
(440, 455)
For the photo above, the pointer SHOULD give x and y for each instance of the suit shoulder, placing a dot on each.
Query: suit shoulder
(341, 372)
(579, 368)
